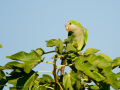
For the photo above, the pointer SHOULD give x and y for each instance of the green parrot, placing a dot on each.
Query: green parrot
(75, 28)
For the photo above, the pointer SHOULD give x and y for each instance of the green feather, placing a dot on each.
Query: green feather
(76, 23)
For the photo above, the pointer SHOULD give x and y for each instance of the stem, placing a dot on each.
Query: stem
(62, 72)
(48, 52)
(44, 71)
(64, 65)
(54, 73)
(60, 85)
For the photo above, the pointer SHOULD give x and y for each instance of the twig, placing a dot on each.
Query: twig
(44, 71)
(47, 62)
(48, 52)
(64, 65)
(60, 85)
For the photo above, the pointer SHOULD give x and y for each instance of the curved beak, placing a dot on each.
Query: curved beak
(68, 28)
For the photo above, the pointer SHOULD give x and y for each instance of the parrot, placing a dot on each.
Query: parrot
(75, 28)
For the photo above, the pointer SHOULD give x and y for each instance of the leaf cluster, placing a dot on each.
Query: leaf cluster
(85, 68)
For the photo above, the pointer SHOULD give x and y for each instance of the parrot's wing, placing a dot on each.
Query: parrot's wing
(85, 37)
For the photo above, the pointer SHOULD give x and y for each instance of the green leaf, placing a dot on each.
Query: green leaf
(40, 51)
(90, 51)
(103, 63)
(111, 77)
(47, 78)
(35, 85)
(118, 75)
(94, 87)
(13, 65)
(23, 56)
(98, 77)
(90, 66)
(70, 47)
(0, 46)
(82, 62)
(105, 56)
(51, 42)
(93, 59)
(3, 80)
(24, 82)
(86, 67)
(42, 88)
(69, 80)
(80, 66)
(55, 56)
(116, 62)
(69, 40)
(54, 42)
(30, 59)
(98, 61)
(59, 47)
(2, 75)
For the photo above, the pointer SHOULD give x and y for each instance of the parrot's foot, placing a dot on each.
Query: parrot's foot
(79, 53)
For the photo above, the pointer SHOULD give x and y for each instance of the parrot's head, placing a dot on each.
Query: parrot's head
(72, 25)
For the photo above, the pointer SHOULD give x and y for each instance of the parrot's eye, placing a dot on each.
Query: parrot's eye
(70, 23)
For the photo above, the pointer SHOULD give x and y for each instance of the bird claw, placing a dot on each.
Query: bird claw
(79, 53)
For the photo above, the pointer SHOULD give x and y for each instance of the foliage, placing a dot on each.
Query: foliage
(86, 68)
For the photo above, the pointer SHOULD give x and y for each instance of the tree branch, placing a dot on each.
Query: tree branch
(54, 73)
(62, 72)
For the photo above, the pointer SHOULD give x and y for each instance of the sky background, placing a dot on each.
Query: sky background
(25, 25)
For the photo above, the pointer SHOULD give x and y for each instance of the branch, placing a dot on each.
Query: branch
(62, 72)
(54, 73)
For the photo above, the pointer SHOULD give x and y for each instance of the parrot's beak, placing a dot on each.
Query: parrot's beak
(68, 28)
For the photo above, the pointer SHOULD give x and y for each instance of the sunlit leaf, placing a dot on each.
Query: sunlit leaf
(118, 75)
(35, 85)
(116, 62)
(13, 65)
(90, 51)
(40, 51)
(98, 77)
(70, 47)
(69, 80)
(94, 87)
(59, 47)
(111, 77)
(80, 66)
(47, 78)
(30, 59)
(0, 46)
(42, 88)
(105, 56)
(69, 40)
(103, 63)
(98, 61)
(51, 42)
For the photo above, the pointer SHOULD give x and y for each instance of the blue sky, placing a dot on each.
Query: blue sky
(26, 24)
